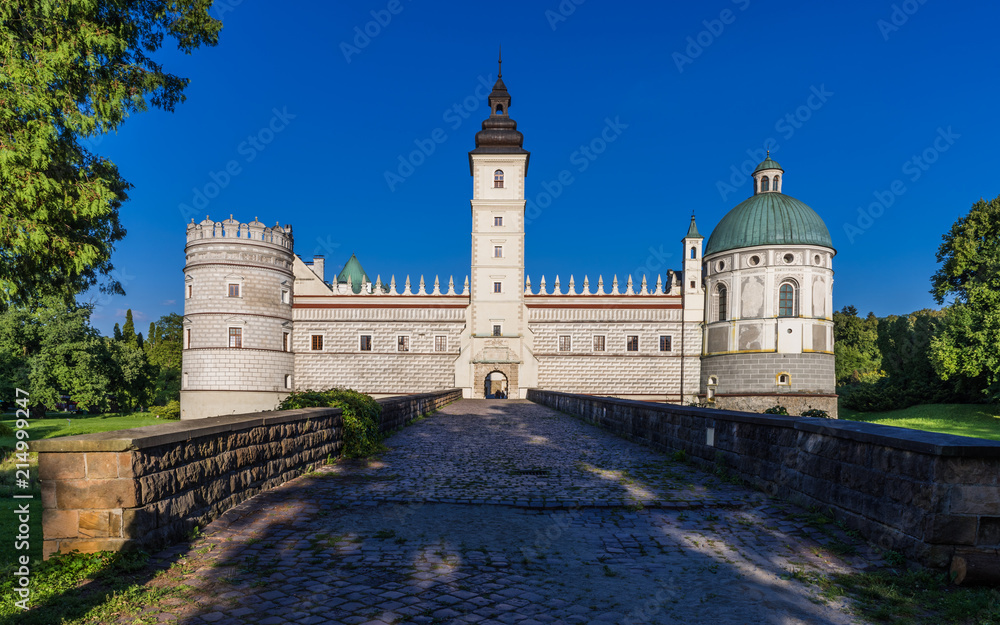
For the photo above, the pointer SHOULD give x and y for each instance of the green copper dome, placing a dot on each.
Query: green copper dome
(768, 163)
(768, 218)
(357, 274)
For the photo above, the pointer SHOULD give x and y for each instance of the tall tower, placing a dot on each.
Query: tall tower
(693, 313)
(497, 319)
(237, 352)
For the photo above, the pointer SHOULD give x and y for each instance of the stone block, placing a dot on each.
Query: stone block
(93, 545)
(125, 464)
(951, 529)
(48, 495)
(101, 494)
(137, 522)
(989, 532)
(958, 470)
(60, 524)
(102, 465)
(61, 466)
(95, 524)
(974, 499)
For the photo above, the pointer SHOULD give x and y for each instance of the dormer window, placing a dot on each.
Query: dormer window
(498, 179)
(764, 184)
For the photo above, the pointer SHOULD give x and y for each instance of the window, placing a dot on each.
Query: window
(764, 184)
(185, 380)
(317, 342)
(784, 379)
(498, 179)
(665, 343)
(786, 300)
(497, 251)
(365, 343)
(497, 287)
(288, 381)
(234, 290)
(497, 331)
(694, 253)
(692, 284)
(187, 338)
(190, 291)
(599, 343)
(499, 109)
(632, 343)
(236, 337)
(284, 296)
(722, 303)
(284, 341)
(498, 220)
(402, 343)
(776, 179)
(440, 343)
(565, 343)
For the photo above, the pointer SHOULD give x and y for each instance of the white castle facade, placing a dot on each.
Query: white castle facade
(746, 325)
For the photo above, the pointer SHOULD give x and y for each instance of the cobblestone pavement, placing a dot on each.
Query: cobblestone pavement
(495, 511)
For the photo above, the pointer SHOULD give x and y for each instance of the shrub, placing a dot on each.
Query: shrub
(776, 409)
(875, 396)
(6, 430)
(816, 412)
(361, 416)
(171, 411)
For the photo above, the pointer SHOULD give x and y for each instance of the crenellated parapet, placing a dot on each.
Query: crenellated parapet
(670, 286)
(234, 229)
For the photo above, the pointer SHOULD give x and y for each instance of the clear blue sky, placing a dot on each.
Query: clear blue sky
(847, 94)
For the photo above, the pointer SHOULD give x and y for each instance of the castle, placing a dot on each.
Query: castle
(745, 324)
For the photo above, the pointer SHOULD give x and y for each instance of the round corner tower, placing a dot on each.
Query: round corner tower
(768, 337)
(238, 283)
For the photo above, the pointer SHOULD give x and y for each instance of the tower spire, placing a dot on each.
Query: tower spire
(500, 63)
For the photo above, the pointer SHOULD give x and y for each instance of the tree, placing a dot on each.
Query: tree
(967, 346)
(855, 344)
(163, 350)
(69, 71)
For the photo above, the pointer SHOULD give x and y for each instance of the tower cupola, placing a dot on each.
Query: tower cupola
(499, 134)
(767, 176)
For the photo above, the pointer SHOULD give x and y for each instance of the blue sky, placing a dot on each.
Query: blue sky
(887, 107)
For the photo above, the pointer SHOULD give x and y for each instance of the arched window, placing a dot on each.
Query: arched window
(764, 184)
(777, 179)
(787, 300)
(498, 179)
(722, 303)
(499, 109)
(694, 253)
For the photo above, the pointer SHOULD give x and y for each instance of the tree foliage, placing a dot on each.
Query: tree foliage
(967, 347)
(69, 71)
(163, 350)
(855, 344)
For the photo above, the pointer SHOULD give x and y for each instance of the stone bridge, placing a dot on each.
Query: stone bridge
(486, 511)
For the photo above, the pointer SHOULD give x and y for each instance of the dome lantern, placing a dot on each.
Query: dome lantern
(767, 176)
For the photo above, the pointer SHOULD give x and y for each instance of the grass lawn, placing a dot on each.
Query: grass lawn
(978, 420)
(50, 427)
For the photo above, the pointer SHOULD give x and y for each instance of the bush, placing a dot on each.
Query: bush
(362, 416)
(877, 396)
(171, 411)
(816, 412)
(776, 409)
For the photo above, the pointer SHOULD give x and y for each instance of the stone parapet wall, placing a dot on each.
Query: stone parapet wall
(151, 486)
(933, 497)
(795, 404)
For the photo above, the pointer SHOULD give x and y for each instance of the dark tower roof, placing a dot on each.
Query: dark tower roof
(499, 134)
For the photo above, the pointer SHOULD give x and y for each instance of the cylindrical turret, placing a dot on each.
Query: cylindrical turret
(237, 354)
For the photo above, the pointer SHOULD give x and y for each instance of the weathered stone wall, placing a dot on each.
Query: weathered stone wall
(150, 486)
(757, 373)
(796, 404)
(933, 497)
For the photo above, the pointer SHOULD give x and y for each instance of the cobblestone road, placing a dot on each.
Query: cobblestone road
(496, 511)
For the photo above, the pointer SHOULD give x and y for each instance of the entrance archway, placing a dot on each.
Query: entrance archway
(495, 386)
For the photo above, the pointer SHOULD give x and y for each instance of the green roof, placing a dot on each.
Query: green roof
(693, 231)
(768, 219)
(767, 163)
(356, 272)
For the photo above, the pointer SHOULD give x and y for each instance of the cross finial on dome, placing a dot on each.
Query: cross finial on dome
(500, 63)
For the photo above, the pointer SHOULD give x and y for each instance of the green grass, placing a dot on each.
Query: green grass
(51, 427)
(977, 420)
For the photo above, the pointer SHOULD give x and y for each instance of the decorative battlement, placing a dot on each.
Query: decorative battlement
(380, 288)
(234, 229)
(670, 287)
